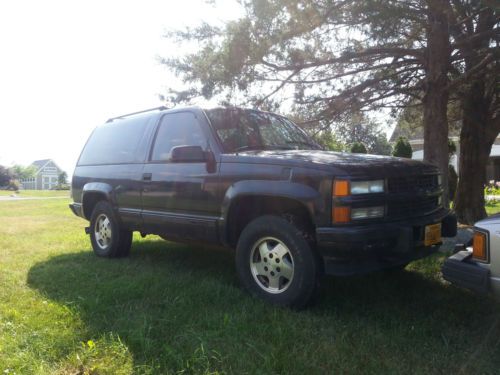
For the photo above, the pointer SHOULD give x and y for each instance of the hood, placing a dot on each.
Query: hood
(490, 220)
(363, 164)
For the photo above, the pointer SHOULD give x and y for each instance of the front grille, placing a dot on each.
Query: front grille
(412, 184)
(412, 207)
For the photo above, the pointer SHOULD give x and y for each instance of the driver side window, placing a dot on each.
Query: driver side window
(177, 129)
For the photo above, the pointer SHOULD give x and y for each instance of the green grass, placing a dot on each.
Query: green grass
(179, 309)
(36, 193)
(492, 207)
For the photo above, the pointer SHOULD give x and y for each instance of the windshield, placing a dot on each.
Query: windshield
(241, 129)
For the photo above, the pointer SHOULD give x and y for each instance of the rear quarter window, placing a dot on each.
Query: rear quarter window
(117, 142)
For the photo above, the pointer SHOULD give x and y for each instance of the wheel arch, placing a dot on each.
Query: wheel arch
(245, 201)
(92, 193)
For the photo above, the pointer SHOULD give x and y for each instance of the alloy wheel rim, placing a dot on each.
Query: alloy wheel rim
(102, 231)
(272, 265)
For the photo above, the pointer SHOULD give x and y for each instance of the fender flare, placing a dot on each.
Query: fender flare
(98, 187)
(305, 195)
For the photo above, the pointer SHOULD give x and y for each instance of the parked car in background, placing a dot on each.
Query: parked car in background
(478, 267)
(253, 181)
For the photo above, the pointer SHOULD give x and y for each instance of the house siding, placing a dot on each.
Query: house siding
(46, 177)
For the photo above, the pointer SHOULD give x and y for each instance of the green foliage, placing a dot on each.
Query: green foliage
(402, 148)
(5, 176)
(358, 128)
(358, 148)
(302, 47)
(492, 206)
(380, 146)
(14, 185)
(329, 141)
(62, 187)
(62, 179)
(492, 188)
(21, 172)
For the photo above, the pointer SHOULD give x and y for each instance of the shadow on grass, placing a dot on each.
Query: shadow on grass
(166, 300)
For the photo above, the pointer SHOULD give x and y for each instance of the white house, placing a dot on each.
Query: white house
(492, 169)
(46, 176)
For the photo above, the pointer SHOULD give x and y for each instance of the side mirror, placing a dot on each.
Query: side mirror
(188, 154)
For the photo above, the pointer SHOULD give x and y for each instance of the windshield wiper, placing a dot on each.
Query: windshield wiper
(262, 147)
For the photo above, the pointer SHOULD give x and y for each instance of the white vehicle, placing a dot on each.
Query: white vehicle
(478, 267)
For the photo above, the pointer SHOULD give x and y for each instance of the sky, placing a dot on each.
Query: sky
(68, 66)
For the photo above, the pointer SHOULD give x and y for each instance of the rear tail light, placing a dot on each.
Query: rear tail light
(479, 247)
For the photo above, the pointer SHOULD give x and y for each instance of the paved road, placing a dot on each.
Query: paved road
(9, 198)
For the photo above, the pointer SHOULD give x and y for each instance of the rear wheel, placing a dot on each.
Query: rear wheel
(106, 235)
(276, 263)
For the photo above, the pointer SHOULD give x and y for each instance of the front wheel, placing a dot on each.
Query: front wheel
(276, 263)
(107, 237)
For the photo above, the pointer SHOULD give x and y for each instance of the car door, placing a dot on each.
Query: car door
(179, 198)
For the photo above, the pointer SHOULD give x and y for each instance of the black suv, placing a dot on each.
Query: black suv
(254, 181)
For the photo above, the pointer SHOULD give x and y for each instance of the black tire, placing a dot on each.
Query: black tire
(107, 237)
(395, 269)
(262, 275)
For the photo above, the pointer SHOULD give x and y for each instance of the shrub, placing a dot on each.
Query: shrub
(493, 188)
(14, 185)
(61, 187)
(402, 148)
(358, 148)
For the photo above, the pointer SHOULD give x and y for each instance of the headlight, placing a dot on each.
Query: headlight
(367, 212)
(365, 187)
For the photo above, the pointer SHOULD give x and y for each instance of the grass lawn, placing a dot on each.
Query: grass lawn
(36, 193)
(492, 207)
(179, 309)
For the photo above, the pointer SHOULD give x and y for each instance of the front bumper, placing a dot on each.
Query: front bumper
(459, 270)
(355, 249)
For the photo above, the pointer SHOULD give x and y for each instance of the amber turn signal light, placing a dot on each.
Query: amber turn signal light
(341, 188)
(479, 246)
(341, 214)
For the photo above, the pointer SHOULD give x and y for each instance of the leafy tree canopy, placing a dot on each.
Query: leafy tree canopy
(20, 172)
(5, 176)
(326, 57)
(62, 178)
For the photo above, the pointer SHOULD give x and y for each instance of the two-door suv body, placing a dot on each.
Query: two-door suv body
(254, 181)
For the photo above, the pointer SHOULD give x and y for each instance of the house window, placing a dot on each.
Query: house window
(50, 169)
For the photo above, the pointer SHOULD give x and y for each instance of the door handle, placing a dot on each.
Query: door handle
(147, 176)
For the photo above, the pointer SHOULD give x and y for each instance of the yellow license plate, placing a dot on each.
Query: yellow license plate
(432, 234)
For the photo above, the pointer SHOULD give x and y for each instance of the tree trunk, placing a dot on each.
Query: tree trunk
(435, 101)
(476, 138)
(479, 127)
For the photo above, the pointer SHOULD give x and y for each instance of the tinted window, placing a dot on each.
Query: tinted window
(177, 129)
(240, 129)
(116, 142)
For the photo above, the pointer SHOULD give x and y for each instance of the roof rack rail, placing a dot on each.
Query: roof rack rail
(161, 108)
